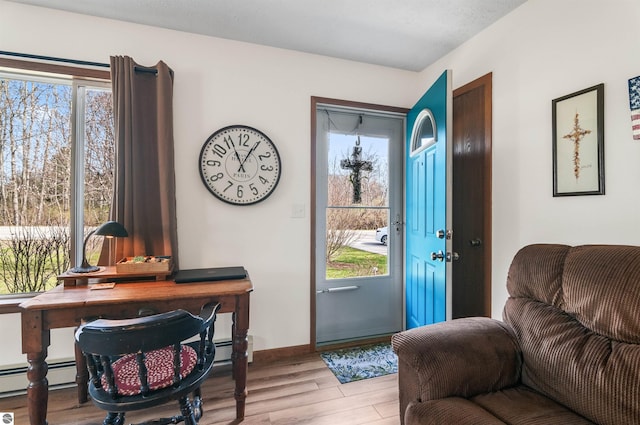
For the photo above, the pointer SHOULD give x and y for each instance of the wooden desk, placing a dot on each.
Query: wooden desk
(67, 306)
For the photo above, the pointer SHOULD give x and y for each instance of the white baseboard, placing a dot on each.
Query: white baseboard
(62, 372)
(13, 381)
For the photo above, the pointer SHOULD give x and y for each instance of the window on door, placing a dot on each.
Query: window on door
(357, 211)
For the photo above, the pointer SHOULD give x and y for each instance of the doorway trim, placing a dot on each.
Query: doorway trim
(312, 202)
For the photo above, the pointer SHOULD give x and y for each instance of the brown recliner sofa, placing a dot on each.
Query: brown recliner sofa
(567, 351)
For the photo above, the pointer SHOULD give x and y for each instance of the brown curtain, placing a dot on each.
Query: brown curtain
(144, 192)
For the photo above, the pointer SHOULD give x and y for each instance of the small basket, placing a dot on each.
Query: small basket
(151, 264)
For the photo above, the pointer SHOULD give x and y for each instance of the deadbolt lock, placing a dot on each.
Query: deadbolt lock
(441, 234)
(452, 256)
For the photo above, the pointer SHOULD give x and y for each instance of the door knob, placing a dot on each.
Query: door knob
(475, 242)
(437, 256)
(452, 256)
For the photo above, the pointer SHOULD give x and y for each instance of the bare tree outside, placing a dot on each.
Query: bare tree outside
(35, 190)
(32, 256)
(100, 157)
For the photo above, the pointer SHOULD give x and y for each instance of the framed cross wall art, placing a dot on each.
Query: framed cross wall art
(578, 143)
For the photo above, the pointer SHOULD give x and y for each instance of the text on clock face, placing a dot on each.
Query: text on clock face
(241, 164)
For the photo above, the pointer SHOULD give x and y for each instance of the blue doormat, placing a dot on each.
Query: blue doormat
(354, 364)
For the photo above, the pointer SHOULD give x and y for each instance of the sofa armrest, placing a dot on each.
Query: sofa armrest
(462, 357)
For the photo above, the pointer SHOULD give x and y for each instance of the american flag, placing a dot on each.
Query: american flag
(634, 103)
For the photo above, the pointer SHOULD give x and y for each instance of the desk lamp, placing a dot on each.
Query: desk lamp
(110, 229)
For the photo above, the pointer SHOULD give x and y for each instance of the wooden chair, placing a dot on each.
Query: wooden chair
(139, 363)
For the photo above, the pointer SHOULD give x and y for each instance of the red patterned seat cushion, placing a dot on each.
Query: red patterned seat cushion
(159, 364)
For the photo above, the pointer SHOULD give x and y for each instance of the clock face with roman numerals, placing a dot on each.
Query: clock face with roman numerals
(240, 165)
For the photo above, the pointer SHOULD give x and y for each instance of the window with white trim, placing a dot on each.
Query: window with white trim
(57, 162)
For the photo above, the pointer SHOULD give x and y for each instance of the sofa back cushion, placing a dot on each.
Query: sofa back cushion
(576, 313)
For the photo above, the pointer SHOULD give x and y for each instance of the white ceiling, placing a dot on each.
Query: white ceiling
(405, 34)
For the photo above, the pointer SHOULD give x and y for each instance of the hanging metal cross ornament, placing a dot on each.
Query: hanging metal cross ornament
(356, 165)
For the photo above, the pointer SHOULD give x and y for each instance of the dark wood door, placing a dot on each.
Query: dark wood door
(471, 273)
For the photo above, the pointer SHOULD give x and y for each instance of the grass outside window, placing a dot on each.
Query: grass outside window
(351, 262)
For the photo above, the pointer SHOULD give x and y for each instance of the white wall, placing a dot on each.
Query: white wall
(544, 50)
(218, 83)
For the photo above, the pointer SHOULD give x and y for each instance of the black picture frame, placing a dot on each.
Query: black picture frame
(578, 143)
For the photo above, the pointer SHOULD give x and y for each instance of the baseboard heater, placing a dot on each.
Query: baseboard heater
(62, 373)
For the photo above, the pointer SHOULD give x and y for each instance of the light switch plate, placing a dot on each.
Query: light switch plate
(297, 211)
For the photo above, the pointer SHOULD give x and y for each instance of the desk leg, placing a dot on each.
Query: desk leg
(82, 375)
(239, 357)
(35, 340)
(38, 389)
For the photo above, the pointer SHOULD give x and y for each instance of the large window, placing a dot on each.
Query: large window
(57, 164)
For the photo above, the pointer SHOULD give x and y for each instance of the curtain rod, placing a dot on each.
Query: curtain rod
(74, 61)
(138, 68)
(54, 59)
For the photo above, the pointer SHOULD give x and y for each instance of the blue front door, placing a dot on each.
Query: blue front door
(427, 212)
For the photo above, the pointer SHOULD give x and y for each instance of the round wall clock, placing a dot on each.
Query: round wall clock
(240, 165)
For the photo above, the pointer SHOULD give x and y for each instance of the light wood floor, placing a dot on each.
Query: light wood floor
(300, 390)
